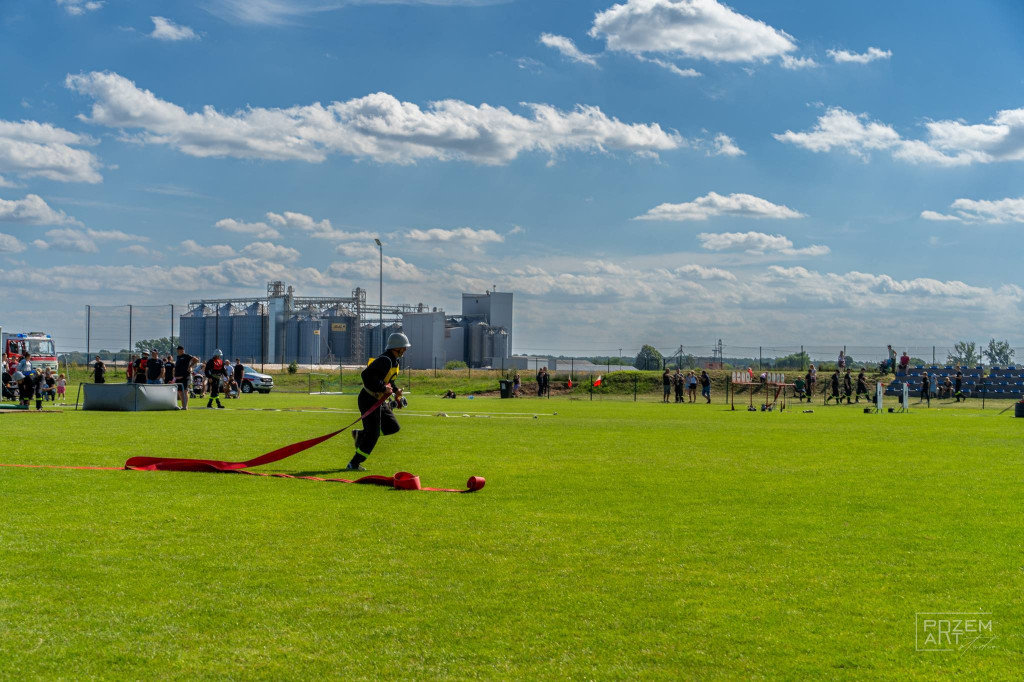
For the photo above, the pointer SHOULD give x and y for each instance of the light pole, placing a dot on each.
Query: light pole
(380, 247)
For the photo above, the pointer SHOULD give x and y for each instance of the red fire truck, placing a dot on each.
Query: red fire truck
(37, 346)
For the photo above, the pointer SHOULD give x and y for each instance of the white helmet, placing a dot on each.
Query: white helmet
(398, 340)
(17, 376)
(217, 353)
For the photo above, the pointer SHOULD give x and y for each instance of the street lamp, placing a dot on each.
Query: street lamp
(381, 306)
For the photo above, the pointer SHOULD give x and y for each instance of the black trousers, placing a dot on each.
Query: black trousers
(215, 388)
(380, 421)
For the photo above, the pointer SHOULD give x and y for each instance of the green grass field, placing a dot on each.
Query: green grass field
(614, 540)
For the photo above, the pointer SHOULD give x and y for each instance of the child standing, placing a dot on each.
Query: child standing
(62, 383)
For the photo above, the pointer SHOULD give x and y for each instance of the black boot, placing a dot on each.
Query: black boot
(355, 464)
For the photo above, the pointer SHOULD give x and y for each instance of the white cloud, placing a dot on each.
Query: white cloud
(395, 269)
(725, 146)
(948, 143)
(377, 126)
(600, 266)
(192, 248)
(33, 149)
(795, 63)
(10, 244)
(714, 204)
(114, 235)
(703, 29)
(568, 49)
(271, 252)
(8, 183)
(32, 210)
(165, 29)
(683, 73)
(996, 212)
(702, 272)
(466, 236)
(846, 57)
(258, 230)
(77, 7)
(318, 229)
(67, 240)
(142, 251)
(283, 12)
(932, 215)
(757, 242)
(356, 250)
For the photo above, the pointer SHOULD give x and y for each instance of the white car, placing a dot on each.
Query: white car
(255, 381)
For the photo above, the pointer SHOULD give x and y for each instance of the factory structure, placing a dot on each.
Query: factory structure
(283, 327)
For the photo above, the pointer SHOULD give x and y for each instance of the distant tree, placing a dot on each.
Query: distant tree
(999, 353)
(455, 364)
(794, 361)
(163, 346)
(648, 358)
(964, 353)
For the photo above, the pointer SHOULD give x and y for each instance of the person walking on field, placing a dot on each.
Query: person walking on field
(183, 375)
(215, 371)
(862, 387)
(99, 371)
(834, 385)
(847, 386)
(958, 387)
(677, 384)
(379, 383)
(926, 389)
(239, 370)
(705, 386)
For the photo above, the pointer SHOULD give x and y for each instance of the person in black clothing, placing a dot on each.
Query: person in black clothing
(540, 383)
(958, 387)
(183, 374)
(677, 382)
(547, 382)
(6, 387)
(215, 371)
(705, 386)
(29, 386)
(926, 393)
(139, 369)
(834, 385)
(847, 386)
(154, 368)
(99, 371)
(862, 387)
(378, 382)
(666, 384)
(239, 369)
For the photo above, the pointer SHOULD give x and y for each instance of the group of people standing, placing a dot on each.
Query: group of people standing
(220, 375)
(22, 382)
(685, 382)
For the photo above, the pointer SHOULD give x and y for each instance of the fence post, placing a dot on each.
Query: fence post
(634, 388)
(88, 330)
(129, 329)
(341, 378)
(172, 327)
(759, 358)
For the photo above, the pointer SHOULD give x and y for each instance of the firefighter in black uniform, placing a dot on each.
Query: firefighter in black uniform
(378, 382)
(862, 387)
(834, 385)
(847, 386)
(926, 392)
(215, 371)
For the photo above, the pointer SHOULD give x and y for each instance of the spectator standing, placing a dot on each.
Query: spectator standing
(239, 372)
(892, 359)
(547, 383)
(154, 368)
(705, 385)
(183, 365)
(99, 371)
(812, 380)
(168, 370)
(517, 385)
(842, 360)
(677, 384)
(666, 385)
(540, 383)
(926, 389)
(129, 369)
(691, 382)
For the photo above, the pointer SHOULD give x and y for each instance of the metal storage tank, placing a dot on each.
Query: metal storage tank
(488, 349)
(307, 342)
(192, 331)
(247, 335)
(476, 343)
(455, 344)
(501, 344)
(291, 339)
(339, 336)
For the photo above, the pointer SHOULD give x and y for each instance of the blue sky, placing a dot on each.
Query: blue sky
(652, 171)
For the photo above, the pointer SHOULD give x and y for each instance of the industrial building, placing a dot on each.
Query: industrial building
(282, 328)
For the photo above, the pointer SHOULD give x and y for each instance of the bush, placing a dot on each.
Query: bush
(455, 364)
(293, 368)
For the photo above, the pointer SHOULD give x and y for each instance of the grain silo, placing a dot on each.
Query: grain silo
(247, 334)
